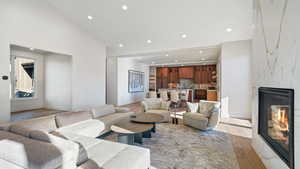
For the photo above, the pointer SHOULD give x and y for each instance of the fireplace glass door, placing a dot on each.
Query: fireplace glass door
(276, 121)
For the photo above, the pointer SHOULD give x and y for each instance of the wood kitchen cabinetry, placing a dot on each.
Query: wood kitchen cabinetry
(186, 72)
(205, 74)
(173, 75)
(162, 75)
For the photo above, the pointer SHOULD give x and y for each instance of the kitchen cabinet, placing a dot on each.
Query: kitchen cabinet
(200, 94)
(162, 77)
(205, 74)
(186, 72)
(212, 95)
(173, 75)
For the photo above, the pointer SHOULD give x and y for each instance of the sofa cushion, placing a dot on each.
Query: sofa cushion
(90, 128)
(196, 120)
(46, 123)
(4, 127)
(69, 149)
(20, 130)
(103, 110)
(153, 103)
(85, 143)
(114, 118)
(125, 158)
(192, 107)
(119, 156)
(29, 153)
(68, 118)
(165, 105)
(8, 165)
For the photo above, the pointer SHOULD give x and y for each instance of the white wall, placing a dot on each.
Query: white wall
(58, 82)
(112, 80)
(283, 73)
(38, 100)
(124, 97)
(33, 23)
(236, 79)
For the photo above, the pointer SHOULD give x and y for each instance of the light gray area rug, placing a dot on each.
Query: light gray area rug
(182, 147)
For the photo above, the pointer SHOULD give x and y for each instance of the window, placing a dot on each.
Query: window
(24, 77)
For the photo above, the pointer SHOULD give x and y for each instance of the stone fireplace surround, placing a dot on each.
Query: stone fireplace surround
(281, 70)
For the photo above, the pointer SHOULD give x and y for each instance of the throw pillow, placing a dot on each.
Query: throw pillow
(206, 107)
(165, 105)
(192, 107)
(20, 130)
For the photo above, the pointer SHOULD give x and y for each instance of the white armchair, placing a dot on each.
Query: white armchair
(207, 116)
(157, 106)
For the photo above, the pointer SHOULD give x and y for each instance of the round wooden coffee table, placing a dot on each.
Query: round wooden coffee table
(148, 118)
(129, 132)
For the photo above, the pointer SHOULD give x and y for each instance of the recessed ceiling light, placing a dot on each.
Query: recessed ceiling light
(176, 60)
(149, 41)
(124, 7)
(201, 51)
(90, 17)
(229, 29)
(167, 54)
(121, 45)
(152, 62)
(203, 59)
(183, 36)
(32, 49)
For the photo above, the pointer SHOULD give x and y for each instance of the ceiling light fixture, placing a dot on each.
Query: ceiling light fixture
(203, 59)
(152, 63)
(149, 41)
(167, 54)
(121, 45)
(124, 7)
(201, 51)
(229, 29)
(90, 17)
(176, 60)
(32, 49)
(183, 36)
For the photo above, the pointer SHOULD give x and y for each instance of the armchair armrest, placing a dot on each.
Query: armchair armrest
(144, 106)
(214, 119)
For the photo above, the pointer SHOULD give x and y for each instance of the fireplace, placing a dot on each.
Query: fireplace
(276, 121)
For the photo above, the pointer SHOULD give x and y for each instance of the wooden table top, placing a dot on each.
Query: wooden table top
(128, 127)
(147, 118)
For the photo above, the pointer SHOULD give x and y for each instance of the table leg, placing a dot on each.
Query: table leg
(147, 134)
(138, 138)
(154, 128)
(126, 139)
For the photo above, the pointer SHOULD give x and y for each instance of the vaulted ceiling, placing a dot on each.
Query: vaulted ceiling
(169, 24)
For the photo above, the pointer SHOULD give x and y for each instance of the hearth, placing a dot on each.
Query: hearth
(276, 121)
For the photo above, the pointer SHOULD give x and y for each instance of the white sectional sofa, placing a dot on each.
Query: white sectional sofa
(69, 141)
